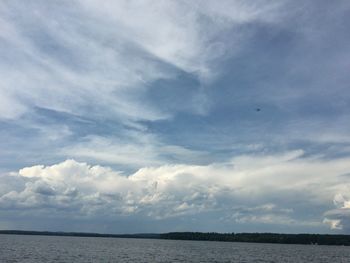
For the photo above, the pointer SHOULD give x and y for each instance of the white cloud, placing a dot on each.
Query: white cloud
(339, 218)
(182, 33)
(240, 191)
(134, 149)
(96, 61)
(333, 223)
(93, 58)
(72, 67)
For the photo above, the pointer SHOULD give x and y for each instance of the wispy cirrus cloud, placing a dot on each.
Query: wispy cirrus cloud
(79, 66)
(88, 57)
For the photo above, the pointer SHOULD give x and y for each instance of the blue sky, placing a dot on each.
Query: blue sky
(156, 116)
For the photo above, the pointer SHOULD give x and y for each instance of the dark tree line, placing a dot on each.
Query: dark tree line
(75, 234)
(212, 236)
(262, 238)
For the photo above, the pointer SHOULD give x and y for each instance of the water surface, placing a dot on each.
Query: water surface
(37, 249)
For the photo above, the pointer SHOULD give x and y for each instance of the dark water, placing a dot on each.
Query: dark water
(36, 249)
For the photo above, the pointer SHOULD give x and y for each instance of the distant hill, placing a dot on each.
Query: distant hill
(314, 239)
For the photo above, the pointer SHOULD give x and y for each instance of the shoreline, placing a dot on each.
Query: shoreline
(272, 238)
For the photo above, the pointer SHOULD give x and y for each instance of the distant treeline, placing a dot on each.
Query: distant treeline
(315, 239)
(76, 234)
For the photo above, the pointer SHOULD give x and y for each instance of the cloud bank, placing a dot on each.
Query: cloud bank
(287, 190)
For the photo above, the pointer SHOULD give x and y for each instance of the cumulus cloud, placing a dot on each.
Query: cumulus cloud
(249, 189)
(333, 223)
(339, 218)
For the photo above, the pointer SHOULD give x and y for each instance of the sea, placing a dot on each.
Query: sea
(37, 249)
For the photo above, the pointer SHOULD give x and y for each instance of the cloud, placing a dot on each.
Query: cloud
(339, 218)
(249, 189)
(88, 58)
(106, 64)
(134, 149)
(333, 223)
(64, 66)
(166, 92)
(179, 32)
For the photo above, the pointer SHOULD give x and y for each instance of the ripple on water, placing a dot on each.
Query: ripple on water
(37, 249)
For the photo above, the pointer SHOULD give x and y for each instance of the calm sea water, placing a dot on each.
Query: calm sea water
(36, 249)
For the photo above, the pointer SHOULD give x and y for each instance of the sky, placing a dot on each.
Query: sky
(172, 115)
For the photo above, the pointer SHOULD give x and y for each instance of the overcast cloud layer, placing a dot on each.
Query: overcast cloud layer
(154, 116)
